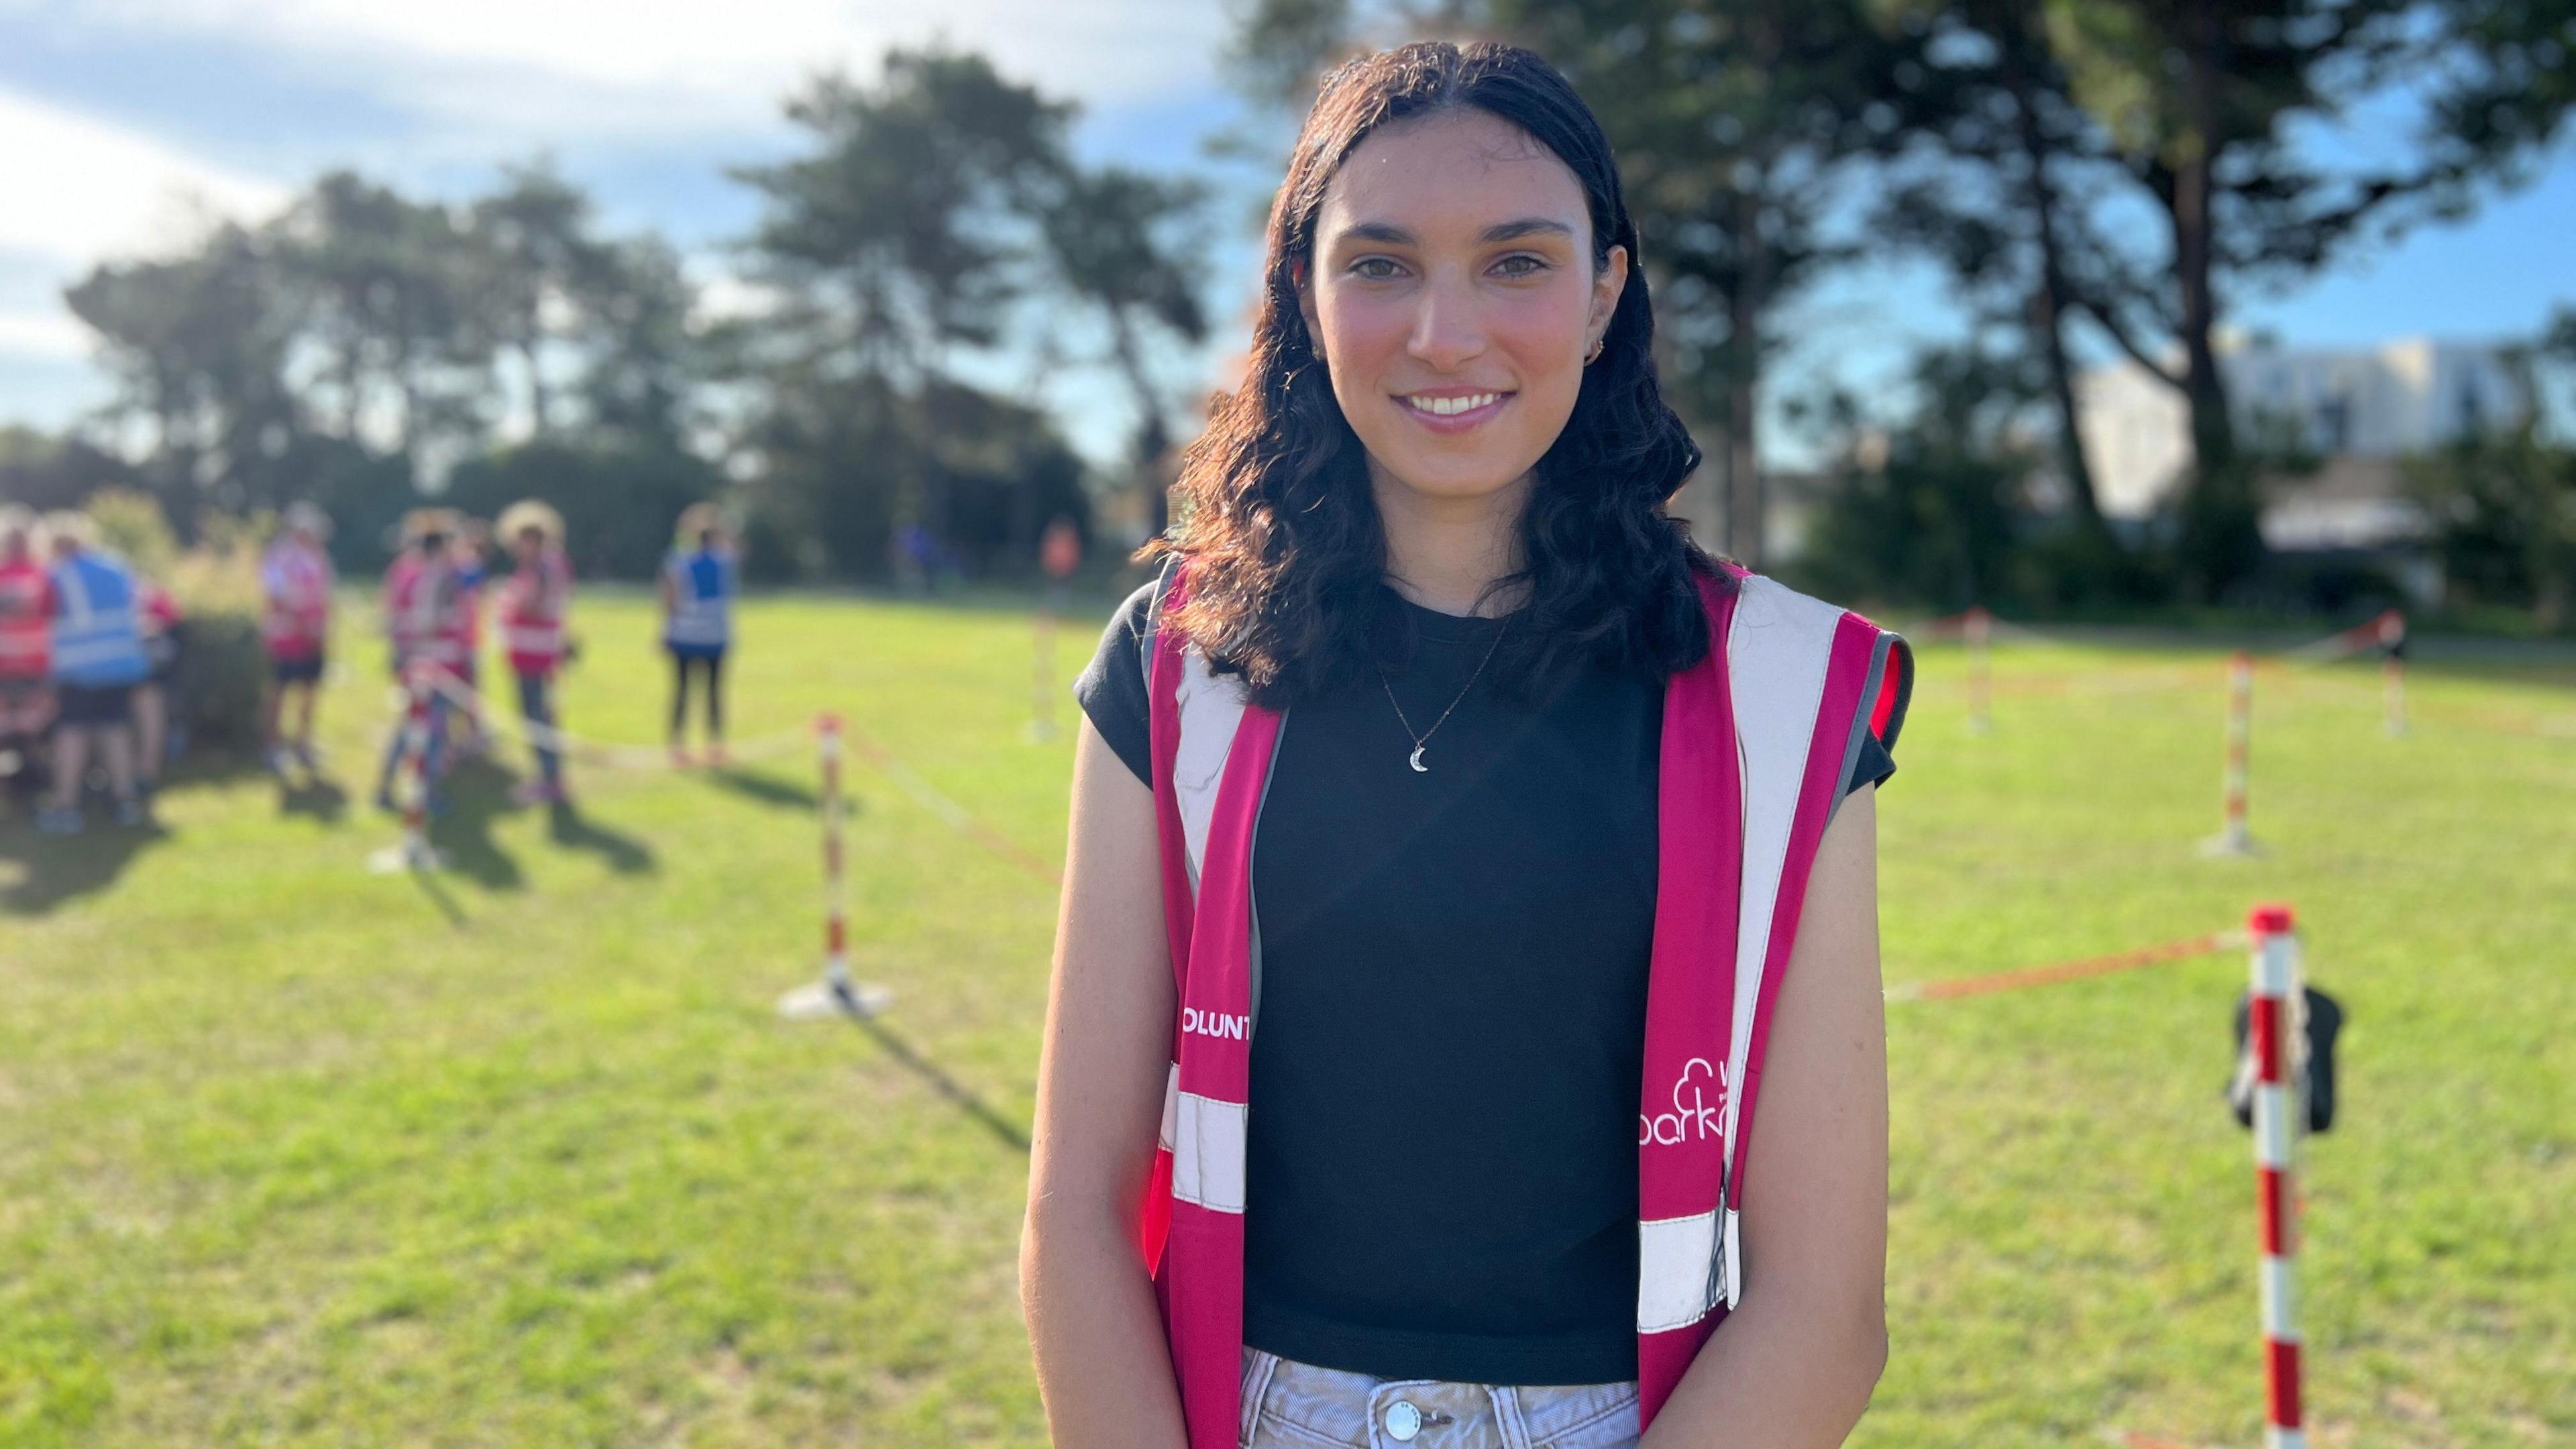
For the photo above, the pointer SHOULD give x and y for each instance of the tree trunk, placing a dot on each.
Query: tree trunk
(2221, 537)
(538, 411)
(1153, 435)
(2049, 307)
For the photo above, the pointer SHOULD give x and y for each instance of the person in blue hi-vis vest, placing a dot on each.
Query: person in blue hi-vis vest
(699, 581)
(98, 659)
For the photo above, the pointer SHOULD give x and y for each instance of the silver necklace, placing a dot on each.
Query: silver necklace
(1423, 740)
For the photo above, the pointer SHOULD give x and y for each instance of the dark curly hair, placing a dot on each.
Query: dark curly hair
(1281, 532)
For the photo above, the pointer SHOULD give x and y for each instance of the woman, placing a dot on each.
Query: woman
(295, 584)
(698, 588)
(533, 605)
(429, 628)
(1418, 921)
(98, 661)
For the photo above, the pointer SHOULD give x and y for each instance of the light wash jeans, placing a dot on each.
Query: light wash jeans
(1292, 1405)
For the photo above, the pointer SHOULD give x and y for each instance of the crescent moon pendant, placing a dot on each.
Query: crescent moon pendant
(1415, 760)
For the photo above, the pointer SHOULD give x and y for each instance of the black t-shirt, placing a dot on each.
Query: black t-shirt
(1442, 1166)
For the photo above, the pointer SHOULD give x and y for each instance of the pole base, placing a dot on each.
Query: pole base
(1041, 731)
(817, 1000)
(2234, 844)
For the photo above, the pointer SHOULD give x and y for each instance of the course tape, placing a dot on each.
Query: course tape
(600, 753)
(954, 815)
(2211, 944)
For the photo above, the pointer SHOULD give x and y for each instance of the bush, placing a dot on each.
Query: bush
(222, 680)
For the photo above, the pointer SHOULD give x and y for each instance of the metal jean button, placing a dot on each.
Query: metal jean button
(1403, 1421)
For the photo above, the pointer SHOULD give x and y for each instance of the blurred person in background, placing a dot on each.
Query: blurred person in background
(535, 603)
(164, 623)
(295, 584)
(427, 629)
(699, 583)
(98, 660)
(26, 634)
(1385, 1088)
(471, 539)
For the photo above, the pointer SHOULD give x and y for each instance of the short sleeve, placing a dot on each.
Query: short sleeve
(1871, 765)
(1875, 760)
(1111, 689)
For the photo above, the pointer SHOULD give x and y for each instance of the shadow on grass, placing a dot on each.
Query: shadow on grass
(317, 796)
(945, 1085)
(625, 854)
(475, 793)
(768, 789)
(51, 869)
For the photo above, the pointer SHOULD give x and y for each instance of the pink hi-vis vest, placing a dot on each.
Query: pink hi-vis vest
(1758, 738)
(533, 611)
(428, 614)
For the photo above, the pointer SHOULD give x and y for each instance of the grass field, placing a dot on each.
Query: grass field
(295, 1154)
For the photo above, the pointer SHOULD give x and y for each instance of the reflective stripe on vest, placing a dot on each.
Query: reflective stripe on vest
(1757, 741)
(428, 615)
(98, 641)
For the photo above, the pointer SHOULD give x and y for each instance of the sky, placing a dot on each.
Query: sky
(126, 124)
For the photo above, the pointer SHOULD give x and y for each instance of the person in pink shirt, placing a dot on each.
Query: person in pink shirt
(26, 635)
(295, 580)
(534, 604)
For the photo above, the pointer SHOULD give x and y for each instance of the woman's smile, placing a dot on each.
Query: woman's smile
(1454, 410)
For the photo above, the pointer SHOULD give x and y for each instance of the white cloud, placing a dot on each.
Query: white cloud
(80, 189)
(53, 334)
(559, 70)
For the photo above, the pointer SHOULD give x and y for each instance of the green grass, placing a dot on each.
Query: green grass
(295, 1154)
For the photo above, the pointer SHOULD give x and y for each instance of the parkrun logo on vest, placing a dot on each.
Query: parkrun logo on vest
(1217, 1024)
(1695, 1114)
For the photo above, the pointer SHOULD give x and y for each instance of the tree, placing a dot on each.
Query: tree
(200, 345)
(1112, 235)
(391, 296)
(901, 242)
(646, 359)
(540, 266)
(1992, 200)
(2199, 103)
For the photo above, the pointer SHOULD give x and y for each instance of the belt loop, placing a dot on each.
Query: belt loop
(1508, 1416)
(1258, 1367)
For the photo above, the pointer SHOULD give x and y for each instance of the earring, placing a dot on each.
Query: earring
(1594, 355)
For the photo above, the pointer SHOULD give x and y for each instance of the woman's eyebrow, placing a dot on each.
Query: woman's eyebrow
(1527, 226)
(1378, 231)
(1390, 234)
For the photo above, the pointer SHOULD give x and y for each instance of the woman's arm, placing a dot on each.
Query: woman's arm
(1794, 1364)
(1104, 1366)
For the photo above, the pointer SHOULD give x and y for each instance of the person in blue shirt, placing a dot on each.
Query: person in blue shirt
(98, 659)
(699, 582)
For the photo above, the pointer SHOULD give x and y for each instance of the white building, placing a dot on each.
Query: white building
(2359, 409)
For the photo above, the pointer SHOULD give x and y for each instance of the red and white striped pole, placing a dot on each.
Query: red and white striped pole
(1980, 632)
(2278, 1039)
(836, 917)
(2392, 669)
(2233, 838)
